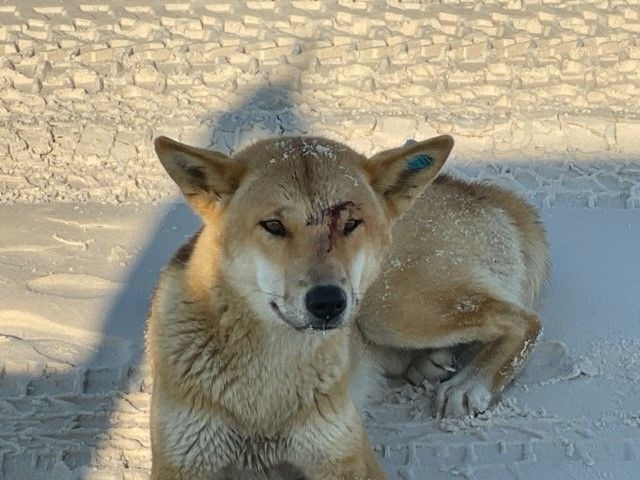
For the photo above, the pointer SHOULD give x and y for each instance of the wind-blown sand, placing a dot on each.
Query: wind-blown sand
(541, 97)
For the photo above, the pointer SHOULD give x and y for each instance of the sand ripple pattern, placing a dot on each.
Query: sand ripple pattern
(72, 285)
(87, 85)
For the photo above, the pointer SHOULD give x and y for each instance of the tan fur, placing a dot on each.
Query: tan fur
(242, 387)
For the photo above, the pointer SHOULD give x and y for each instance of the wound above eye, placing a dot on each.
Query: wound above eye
(419, 161)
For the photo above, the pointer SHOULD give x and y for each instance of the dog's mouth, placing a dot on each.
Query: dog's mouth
(324, 327)
(282, 316)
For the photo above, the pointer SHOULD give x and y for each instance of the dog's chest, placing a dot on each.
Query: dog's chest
(282, 382)
(206, 444)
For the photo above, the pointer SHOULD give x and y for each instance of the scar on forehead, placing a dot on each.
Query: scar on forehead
(332, 213)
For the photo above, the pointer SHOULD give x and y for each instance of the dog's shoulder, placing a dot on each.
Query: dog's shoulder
(168, 291)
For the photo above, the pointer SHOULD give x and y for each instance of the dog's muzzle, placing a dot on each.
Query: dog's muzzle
(326, 303)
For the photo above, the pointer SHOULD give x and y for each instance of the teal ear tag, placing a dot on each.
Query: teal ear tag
(419, 161)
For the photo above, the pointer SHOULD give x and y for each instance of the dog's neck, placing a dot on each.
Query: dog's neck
(202, 272)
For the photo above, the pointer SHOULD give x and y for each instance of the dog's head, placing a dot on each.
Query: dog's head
(302, 224)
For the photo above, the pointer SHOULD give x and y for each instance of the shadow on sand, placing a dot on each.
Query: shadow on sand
(266, 111)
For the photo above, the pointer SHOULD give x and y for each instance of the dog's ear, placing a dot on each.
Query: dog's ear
(401, 174)
(205, 177)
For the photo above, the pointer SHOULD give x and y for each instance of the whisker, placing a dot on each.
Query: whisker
(267, 293)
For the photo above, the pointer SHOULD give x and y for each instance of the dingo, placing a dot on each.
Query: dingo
(259, 322)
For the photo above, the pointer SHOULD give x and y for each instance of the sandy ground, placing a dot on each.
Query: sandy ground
(541, 97)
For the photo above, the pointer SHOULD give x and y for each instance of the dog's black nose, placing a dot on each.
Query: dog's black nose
(326, 303)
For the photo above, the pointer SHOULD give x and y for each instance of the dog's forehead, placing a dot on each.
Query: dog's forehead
(307, 147)
(314, 168)
(284, 150)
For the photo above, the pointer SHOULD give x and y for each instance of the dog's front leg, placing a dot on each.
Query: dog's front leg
(359, 466)
(347, 458)
(162, 470)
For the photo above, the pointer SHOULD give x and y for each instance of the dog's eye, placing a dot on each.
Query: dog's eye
(350, 225)
(274, 227)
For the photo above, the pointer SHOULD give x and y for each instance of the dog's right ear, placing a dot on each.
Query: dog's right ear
(205, 177)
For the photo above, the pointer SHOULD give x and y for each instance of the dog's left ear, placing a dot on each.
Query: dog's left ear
(401, 174)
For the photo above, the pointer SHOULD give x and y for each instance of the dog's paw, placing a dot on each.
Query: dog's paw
(464, 394)
(434, 367)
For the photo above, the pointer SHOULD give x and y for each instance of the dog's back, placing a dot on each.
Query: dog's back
(458, 235)
(466, 229)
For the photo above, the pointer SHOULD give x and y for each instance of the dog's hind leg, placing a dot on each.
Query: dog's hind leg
(505, 331)
(507, 334)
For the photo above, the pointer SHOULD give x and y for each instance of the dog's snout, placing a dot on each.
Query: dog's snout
(326, 303)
